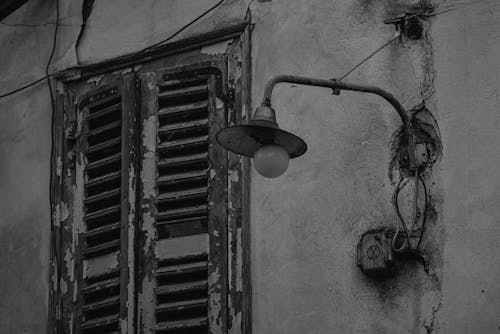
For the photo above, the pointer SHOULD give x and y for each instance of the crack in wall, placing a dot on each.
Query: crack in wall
(430, 327)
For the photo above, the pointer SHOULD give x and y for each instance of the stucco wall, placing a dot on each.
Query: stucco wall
(306, 224)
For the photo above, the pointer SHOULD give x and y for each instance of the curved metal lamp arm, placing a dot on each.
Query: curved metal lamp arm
(337, 86)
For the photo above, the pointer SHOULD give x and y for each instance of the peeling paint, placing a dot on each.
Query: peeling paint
(183, 246)
(219, 104)
(96, 80)
(215, 303)
(59, 166)
(234, 175)
(216, 49)
(64, 212)
(151, 86)
(101, 265)
(63, 286)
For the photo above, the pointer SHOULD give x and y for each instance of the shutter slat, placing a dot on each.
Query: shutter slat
(182, 220)
(101, 304)
(102, 213)
(102, 229)
(103, 145)
(182, 305)
(174, 178)
(102, 196)
(190, 90)
(182, 287)
(191, 210)
(181, 324)
(104, 128)
(106, 111)
(182, 109)
(102, 179)
(100, 322)
(103, 162)
(183, 126)
(107, 246)
(184, 142)
(183, 267)
(182, 160)
(183, 194)
(105, 284)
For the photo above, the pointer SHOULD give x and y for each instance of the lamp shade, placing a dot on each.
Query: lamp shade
(260, 131)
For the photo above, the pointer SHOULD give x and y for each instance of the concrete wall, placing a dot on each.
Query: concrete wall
(306, 224)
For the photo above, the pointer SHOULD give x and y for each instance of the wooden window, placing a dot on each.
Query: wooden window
(185, 203)
(151, 213)
(97, 225)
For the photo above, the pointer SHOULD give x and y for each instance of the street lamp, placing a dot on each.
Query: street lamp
(271, 147)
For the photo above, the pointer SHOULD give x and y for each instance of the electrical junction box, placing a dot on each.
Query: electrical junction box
(375, 257)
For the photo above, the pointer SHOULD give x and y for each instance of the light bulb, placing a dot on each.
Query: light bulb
(271, 160)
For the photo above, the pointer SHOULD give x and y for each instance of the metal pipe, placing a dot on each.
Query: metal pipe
(339, 85)
(334, 84)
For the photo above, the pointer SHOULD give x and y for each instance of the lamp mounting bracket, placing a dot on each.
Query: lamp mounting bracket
(335, 90)
(409, 24)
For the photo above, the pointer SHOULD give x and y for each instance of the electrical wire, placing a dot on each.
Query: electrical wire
(397, 35)
(407, 245)
(149, 48)
(27, 25)
(415, 208)
(187, 25)
(25, 86)
(56, 233)
(424, 218)
(401, 220)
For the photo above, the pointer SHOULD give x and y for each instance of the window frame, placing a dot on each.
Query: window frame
(182, 54)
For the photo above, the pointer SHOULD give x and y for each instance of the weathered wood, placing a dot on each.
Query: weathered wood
(183, 108)
(128, 206)
(192, 210)
(103, 145)
(57, 200)
(106, 111)
(102, 196)
(147, 234)
(169, 49)
(102, 179)
(176, 248)
(217, 220)
(182, 305)
(228, 239)
(182, 92)
(104, 128)
(184, 126)
(105, 284)
(182, 177)
(183, 160)
(245, 246)
(101, 265)
(103, 162)
(181, 324)
(182, 143)
(239, 298)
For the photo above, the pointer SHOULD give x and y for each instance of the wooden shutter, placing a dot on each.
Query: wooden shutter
(184, 282)
(99, 258)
